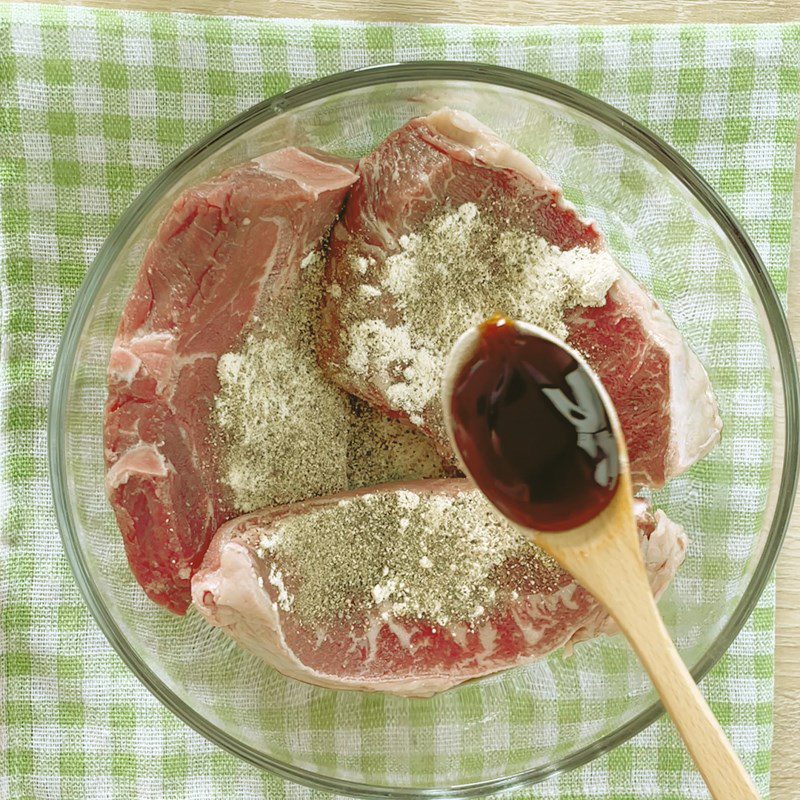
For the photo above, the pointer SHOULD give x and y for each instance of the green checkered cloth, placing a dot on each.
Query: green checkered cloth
(93, 104)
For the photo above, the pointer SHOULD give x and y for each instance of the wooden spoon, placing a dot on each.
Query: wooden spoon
(604, 557)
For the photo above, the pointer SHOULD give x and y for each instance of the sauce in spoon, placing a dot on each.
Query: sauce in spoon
(532, 429)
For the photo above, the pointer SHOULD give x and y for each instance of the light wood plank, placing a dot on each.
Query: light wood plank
(496, 12)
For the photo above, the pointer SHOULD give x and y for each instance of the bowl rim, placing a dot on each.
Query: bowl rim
(468, 72)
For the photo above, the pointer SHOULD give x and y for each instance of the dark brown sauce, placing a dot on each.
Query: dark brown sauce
(532, 430)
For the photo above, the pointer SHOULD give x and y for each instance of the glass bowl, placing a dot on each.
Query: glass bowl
(665, 225)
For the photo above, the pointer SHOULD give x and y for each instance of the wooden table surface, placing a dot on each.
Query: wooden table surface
(786, 750)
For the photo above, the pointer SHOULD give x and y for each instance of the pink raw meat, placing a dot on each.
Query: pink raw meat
(414, 658)
(661, 391)
(224, 249)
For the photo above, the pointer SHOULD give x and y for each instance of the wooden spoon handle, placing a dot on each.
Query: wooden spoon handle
(615, 575)
(705, 740)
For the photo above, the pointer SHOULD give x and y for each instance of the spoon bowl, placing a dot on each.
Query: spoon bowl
(533, 424)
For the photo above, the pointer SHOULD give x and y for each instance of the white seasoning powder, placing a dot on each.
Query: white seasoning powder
(448, 563)
(382, 450)
(285, 600)
(391, 350)
(270, 392)
(285, 432)
(458, 269)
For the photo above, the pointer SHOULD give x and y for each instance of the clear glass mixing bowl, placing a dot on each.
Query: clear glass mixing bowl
(667, 227)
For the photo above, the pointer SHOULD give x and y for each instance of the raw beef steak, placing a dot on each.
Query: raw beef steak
(225, 247)
(248, 591)
(448, 160)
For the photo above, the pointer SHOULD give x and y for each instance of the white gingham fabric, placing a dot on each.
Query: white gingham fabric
(93, 104)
